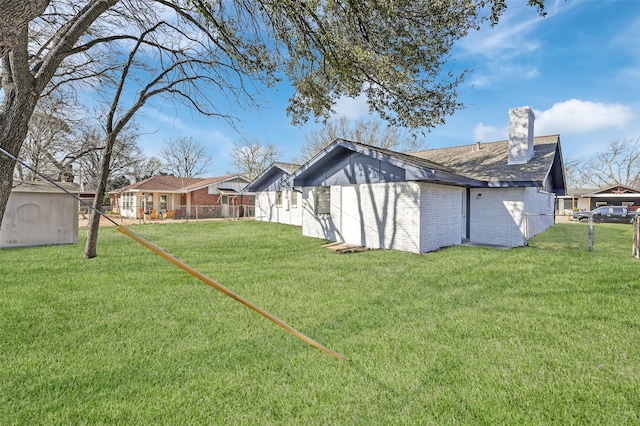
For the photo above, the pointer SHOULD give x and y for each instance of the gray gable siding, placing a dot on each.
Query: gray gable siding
(350, 168)
(271, 180)
(346, 162)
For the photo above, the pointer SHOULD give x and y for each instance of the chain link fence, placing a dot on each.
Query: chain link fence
(150, 213)
(558, 232)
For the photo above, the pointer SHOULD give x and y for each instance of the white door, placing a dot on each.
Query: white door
(350, 220)
(225, 205)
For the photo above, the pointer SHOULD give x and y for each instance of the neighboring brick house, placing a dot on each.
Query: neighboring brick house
(275, 201)
(174, 197)
(479, 193)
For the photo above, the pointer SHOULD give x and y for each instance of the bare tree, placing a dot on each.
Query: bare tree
(572, 173)
(372, 133)
(250, 159)
(394, 52)
(48, 135)
(193, 66)
(185, 157)
(127, 156)
(52, 147)
(619, 164)
(148, 167)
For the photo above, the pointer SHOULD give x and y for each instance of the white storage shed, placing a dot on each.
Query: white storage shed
(39, 214)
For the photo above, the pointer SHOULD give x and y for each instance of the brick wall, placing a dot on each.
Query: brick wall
(201, 197)
(264, 205)
(498, 214)
(390, 215)
(422, 217)
(312, 225)
(441, 219)
(387, 215)
(267, 210)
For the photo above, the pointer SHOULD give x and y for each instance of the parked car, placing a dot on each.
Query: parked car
(608, 214)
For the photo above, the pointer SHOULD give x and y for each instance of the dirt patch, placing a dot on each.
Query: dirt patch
(83, 221)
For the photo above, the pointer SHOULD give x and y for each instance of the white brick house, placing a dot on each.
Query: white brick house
(275, 201)
(420, 202)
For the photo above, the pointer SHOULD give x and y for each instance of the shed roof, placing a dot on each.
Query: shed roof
(43, 186)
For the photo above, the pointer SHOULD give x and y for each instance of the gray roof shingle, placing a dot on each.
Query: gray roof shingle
(488, 161)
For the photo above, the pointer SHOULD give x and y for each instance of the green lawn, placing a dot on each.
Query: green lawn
(537, 335)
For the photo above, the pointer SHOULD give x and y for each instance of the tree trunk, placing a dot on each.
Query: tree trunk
(91, 247)
(6, 180)
(14, 18)
(18, 106)
(21, 88)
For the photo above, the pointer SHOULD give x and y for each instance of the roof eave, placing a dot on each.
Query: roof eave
(515, 184)
(258, 184)
(447, 179)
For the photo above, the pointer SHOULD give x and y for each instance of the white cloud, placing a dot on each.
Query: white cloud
(501, 71)
(575, 116)
(174, 121)
(509, 50)
(351, 108)
(509, 38)
(482, 133)
(515, 33)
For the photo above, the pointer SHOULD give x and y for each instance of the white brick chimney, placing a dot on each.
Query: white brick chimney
(520, 135)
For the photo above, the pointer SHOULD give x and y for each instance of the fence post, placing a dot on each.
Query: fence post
(590, 234)
(636, 238)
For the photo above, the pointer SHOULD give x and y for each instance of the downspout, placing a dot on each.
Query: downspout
(468, 224)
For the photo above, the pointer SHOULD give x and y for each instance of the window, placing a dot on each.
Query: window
(294, 198)
(163, 202)
(224, 200)
(323, 200)
(147, 202)
(279, 198)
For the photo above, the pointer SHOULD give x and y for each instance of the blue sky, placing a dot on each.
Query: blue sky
(578, 68)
